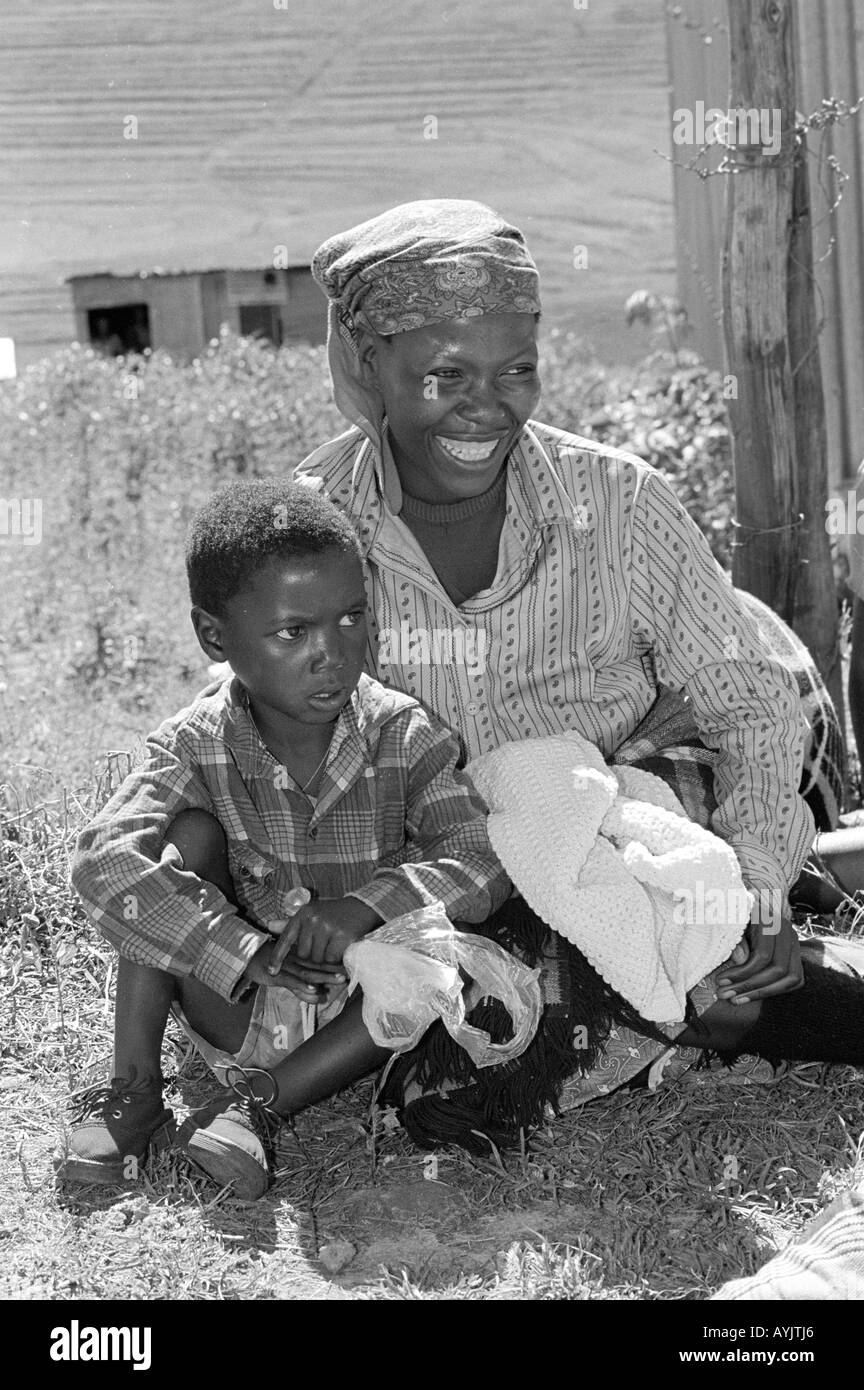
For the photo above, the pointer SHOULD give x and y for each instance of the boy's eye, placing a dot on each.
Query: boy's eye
(353, 618)
(290, 634)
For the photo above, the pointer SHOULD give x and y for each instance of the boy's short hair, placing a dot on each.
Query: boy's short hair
(246, 524)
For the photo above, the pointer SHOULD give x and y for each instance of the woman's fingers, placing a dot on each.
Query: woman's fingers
(759, 971)
(757, 963)
(740, 954)
(773, 967)
(761, 988)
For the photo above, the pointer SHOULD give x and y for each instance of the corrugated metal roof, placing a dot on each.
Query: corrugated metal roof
(159, 274)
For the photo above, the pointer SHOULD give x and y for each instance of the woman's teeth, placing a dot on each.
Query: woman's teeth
(467, 452)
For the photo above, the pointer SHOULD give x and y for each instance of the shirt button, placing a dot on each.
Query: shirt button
(472, 708)
(313, 833)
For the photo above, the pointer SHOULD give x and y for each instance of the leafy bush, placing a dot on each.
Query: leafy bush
(123, 451)
(670, 411)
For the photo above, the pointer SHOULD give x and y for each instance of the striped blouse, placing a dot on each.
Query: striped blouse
(605, 590)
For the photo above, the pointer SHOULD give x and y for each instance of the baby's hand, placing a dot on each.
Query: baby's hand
(321, 931)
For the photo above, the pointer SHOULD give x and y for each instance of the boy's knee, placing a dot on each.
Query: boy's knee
(201, 841)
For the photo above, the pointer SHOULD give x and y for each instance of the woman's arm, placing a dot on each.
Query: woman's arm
(745, 703)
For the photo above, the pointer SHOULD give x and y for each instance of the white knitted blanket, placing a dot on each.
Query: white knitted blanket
(607, 857)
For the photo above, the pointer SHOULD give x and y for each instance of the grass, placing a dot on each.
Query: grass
(638, 1197)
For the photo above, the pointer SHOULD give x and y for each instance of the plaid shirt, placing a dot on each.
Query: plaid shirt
(605, 592)
(395, 825)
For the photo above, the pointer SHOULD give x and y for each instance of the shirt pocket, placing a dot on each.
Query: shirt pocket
(254, 881)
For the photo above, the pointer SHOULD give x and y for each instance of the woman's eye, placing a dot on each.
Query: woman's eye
(524, 369)
(352, 619)
(290, 634)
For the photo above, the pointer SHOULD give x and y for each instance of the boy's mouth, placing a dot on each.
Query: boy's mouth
(329, 699)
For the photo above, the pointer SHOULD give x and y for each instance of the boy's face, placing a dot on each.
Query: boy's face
(295, 637)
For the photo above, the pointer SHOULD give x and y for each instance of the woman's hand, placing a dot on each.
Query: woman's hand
(772, 965)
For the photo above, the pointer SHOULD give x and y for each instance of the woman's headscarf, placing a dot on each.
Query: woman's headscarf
(419, 263)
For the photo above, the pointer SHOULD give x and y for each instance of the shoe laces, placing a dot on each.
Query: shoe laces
(94, 1100)
(257, 1112)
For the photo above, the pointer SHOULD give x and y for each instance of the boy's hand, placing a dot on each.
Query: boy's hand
(310, 983)
(321, 931)
(773, 963)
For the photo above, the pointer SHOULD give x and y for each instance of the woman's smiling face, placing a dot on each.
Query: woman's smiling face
(457, 395)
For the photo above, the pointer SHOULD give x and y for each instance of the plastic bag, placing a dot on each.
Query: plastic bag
(409, 973)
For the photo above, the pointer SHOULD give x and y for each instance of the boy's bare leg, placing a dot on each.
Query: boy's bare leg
(141, 1008)
(340, 1053)
(145, 994)
(115, 1126)
(143, 1002)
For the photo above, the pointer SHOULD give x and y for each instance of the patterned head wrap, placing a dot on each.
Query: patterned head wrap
(417, 264)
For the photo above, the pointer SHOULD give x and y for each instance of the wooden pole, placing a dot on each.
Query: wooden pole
(759, 209)
(776, 409)
(815, 613)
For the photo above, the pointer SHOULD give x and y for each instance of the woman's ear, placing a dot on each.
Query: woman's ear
(369, 347)
(208, 630)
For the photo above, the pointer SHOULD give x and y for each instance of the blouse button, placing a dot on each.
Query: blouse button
(472, 708)
(313, 832)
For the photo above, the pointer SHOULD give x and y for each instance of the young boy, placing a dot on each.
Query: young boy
(298, 773)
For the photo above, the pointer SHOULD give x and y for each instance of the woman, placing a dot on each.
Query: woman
(524, 581)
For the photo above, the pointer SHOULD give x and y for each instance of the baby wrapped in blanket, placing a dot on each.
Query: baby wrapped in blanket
(607, 857)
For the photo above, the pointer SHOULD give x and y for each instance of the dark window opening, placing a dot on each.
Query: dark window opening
(123, 329)
(261, 321)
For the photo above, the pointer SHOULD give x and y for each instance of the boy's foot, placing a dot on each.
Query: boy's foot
(113, 1127)
(232, 1139)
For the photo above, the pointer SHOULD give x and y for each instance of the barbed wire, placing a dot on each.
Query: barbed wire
(755, 531)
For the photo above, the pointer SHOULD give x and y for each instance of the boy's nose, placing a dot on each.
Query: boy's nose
(330, 651)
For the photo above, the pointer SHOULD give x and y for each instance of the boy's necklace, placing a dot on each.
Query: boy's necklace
(309, 780)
